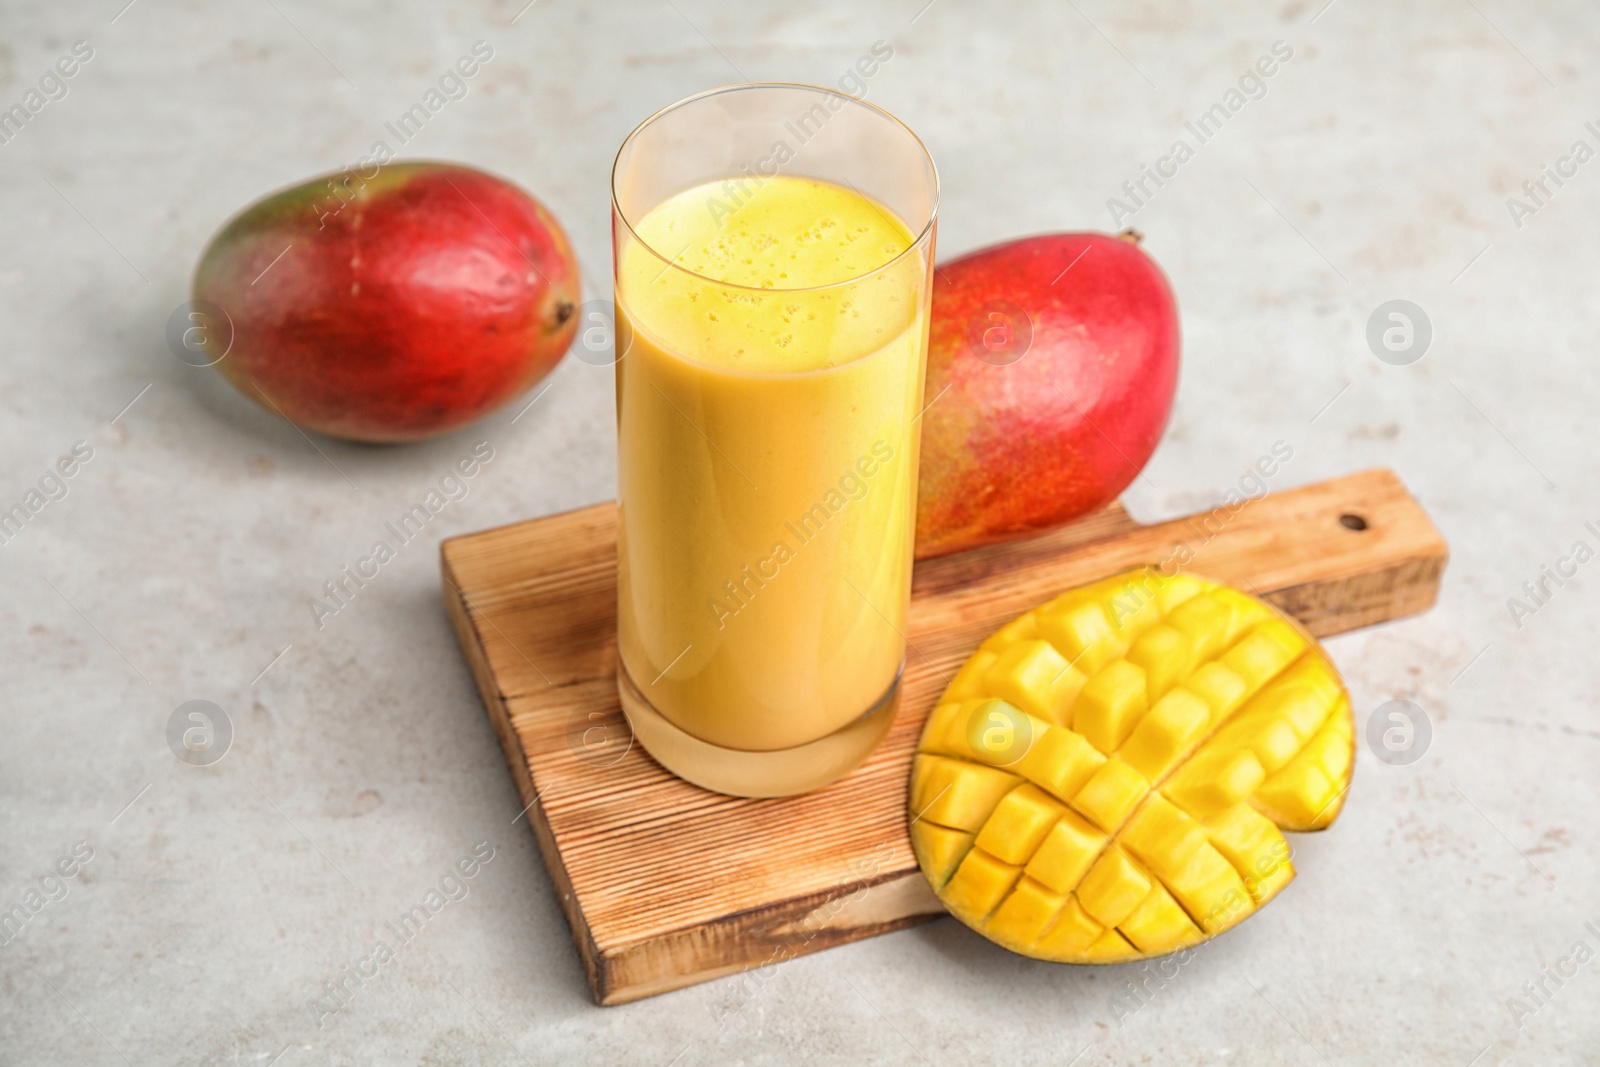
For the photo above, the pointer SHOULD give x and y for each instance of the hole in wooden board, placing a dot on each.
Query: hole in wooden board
(1352, 522)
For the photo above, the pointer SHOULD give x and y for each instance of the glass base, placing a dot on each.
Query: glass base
(744, 773)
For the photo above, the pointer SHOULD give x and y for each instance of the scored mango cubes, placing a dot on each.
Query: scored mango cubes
(1109, 776)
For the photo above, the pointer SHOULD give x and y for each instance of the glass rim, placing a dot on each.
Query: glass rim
(922, 235)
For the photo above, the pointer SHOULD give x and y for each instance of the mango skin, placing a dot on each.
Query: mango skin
(400, 306)
(1011, 449)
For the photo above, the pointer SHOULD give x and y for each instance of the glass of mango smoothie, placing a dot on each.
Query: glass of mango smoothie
(773, 254)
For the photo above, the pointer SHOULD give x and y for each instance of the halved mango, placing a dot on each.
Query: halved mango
(1151, 738)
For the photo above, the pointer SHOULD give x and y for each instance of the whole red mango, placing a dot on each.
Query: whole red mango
(389, 308)
(1052, 363)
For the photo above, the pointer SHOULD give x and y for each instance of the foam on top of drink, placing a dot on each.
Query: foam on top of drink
(809, 272)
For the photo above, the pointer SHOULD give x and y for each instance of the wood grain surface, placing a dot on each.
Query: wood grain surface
(665, 884)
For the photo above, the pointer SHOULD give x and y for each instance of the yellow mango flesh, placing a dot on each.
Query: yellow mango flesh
(1109, 776)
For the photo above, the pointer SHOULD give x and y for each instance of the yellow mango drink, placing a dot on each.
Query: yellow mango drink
(771, 335)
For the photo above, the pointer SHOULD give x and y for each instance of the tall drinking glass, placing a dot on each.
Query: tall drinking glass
(773, 253)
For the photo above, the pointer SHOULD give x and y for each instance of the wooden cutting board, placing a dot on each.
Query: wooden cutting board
(665, 884)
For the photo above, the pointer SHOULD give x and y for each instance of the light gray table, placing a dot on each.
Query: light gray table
(179, 566)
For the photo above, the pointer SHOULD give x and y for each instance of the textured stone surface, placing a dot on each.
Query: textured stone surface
(181, 561)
